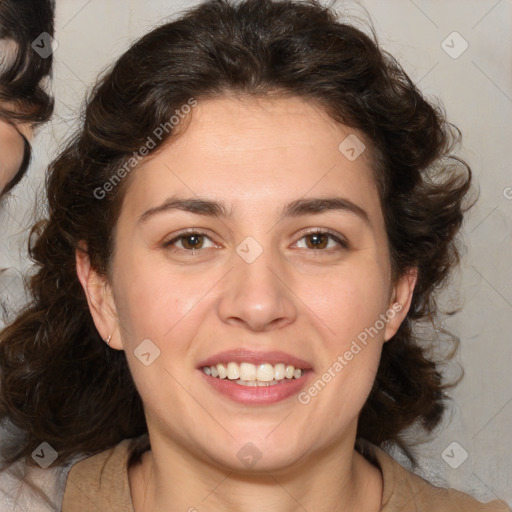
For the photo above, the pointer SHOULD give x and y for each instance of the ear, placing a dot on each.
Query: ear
(400, 303)
(99, 297)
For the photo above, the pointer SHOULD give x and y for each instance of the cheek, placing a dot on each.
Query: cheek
(156, 302)
(11, 159)
(348, 301)
(156, 316)
(353, 334)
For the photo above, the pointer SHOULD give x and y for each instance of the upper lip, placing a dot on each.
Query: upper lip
(251, 356)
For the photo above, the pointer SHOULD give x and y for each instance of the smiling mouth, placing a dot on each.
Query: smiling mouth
(251, 375)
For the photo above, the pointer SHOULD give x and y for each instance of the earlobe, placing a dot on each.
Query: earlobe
(99, 296)
(400, 301)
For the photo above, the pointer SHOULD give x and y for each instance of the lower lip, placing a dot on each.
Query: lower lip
(258, 395)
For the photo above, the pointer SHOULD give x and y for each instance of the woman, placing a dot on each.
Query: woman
(257, 212)
(24, 103)
(25, 66)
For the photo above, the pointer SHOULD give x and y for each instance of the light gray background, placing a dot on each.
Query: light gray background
(476, 89)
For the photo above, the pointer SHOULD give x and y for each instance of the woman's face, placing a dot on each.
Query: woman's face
(11, 152)
(12, 144)
(257, 284)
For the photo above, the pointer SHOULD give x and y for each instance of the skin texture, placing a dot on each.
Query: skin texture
(11, 142)
(256, 156)
(11, 151)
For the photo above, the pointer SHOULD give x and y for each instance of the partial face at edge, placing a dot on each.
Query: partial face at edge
(11, 141)
(305, 295)
(11, 153)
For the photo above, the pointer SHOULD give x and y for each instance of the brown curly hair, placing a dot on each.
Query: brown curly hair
(60, 382)
(23, 95)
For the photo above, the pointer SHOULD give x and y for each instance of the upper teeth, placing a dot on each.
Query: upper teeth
(264, 372)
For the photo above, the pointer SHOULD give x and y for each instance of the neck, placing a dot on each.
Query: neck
(167, 480)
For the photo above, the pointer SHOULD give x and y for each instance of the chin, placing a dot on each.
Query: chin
(255, 454)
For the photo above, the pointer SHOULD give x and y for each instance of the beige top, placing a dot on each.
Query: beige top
(100, 483)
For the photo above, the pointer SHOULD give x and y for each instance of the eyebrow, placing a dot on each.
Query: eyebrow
(303, 206)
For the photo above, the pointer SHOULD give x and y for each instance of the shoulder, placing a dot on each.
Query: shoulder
(101, 481)
(26, 488)
(407, 492)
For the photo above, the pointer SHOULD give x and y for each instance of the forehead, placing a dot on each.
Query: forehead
(8, 49)
(243, 148)
(253, 124)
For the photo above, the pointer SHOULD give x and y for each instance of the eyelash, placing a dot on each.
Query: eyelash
(343, 245)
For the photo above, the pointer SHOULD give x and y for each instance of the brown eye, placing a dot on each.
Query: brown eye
(319, 240)
(192, 241)
(188, 242)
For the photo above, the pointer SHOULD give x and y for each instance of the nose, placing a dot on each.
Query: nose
(256, 295)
